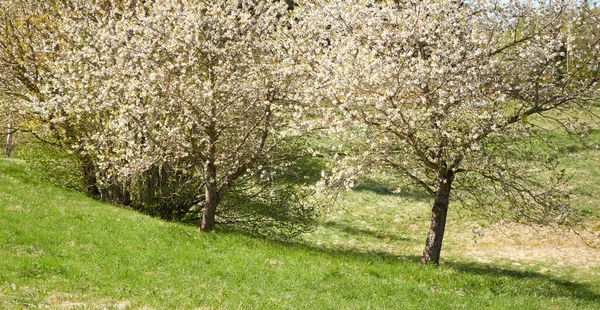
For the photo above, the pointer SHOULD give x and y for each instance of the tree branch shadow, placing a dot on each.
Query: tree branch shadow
(561, 287)
(408, 192)
(475, 274)
(356, 231)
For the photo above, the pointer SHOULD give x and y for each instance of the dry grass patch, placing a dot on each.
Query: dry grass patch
(529, 244)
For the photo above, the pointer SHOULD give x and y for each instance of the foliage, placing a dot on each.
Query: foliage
(54, 164)
(164, 191)
(274, 209)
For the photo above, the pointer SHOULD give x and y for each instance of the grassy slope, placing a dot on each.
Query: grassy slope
(59, 249)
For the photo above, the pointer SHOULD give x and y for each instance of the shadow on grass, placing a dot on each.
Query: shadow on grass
(408, 192)
(473, 276)
(550, 286)
(356, 231)
(305, 170)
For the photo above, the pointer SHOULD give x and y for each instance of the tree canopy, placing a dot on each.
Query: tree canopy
(450, 94)
(444, 91)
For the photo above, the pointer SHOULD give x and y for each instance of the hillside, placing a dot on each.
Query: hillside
(61, 250)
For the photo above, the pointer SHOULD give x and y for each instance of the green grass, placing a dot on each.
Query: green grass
(59, 249)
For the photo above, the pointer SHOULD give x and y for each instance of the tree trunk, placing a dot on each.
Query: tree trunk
(8, 149)
(117, 193)
(149, 185)
(212, 196)
(210, 208)
(433, 245)
(90, 181)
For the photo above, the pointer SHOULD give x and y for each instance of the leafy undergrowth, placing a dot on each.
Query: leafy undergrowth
(61, 250)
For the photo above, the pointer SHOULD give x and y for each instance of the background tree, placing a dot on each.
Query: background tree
(451, 94)
(20, 60)
(29, 44)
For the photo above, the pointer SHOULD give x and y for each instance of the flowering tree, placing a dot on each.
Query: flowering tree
(21, 46)
(19, 61)
(30, 41)
(206, 84)
(449, 92)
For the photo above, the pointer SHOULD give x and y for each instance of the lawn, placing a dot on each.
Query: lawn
(62, 250)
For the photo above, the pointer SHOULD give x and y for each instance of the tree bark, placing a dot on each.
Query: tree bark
(210, 208)
(433, 245)
(8, 149)
(90, 181)
(116, 193)
(212, 194)
(149, 184)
